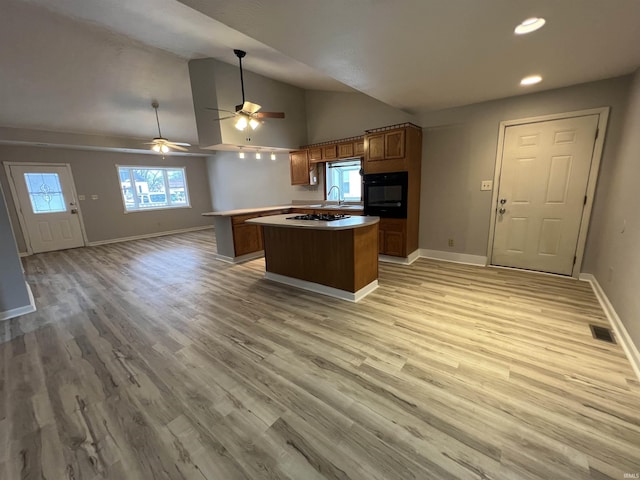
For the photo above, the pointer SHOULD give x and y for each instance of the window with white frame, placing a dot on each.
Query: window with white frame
(151, 188)
(344, 174)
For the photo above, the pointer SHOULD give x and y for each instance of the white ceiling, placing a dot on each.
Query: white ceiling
(94, 65)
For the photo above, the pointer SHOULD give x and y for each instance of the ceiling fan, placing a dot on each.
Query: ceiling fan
(160, 144)
(247, 113)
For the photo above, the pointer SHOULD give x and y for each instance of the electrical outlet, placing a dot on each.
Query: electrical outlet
(486, 185)
(450, 242)
(94, 197)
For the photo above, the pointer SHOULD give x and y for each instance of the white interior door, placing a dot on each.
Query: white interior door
(47, 203)
(543, 182)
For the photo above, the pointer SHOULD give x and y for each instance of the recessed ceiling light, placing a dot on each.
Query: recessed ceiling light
(529, 25)
(531, 80)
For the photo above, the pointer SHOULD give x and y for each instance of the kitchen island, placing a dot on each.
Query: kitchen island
(337, 258)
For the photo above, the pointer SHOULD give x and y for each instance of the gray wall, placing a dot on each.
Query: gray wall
(614, 237)
(13, 290)
(245, 183)
(334, 115)
(94, 173)
(459, 151)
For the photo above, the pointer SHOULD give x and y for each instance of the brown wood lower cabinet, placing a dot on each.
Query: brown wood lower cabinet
(247, 239)
(392, 236)
(342, 259)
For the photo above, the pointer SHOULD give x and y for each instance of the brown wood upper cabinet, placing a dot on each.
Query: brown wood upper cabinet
(385, 145)
(358, 148)
(329, 152)
(299, 167)
(345, 150)
(393, 150)
(315, 155)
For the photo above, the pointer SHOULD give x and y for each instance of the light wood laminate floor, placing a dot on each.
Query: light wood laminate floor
(153, 360)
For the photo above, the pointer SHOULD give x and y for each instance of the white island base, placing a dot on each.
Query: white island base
(323, 289)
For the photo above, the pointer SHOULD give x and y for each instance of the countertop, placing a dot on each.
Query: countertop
(355, 221)
(315, 206)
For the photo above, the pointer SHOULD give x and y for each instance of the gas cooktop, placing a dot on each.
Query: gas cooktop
(325, 217)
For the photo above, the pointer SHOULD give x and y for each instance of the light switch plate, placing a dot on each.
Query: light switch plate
(94, 197)
(486, 185)
(81, 197)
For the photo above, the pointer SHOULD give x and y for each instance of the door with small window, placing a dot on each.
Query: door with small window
(48, 208)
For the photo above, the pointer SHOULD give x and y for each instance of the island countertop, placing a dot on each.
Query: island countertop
(355, 221)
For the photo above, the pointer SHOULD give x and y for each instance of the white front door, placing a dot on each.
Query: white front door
(47, 204)
(543, 182)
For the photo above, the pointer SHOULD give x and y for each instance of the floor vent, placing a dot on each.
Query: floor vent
(602, 333)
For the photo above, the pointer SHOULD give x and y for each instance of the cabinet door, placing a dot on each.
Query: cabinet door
(299, 167)
(394, 238)
(246, 239)
(375, 150)
(394, 244)
(345, 150)
(358, 148)
(394, 144)
(315, 155)
(380, 241)
(330, 152)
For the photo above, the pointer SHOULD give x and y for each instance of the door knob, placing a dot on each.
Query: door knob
(74, 211)
(502, 210)
(503, 201)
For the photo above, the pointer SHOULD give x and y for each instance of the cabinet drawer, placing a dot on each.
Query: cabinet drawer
(238, 219)
(302, 211)
(393, 224)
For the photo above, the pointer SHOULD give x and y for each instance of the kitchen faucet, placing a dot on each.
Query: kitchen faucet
(340, 202)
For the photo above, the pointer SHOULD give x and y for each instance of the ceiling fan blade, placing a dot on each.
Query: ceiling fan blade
(219, 110)
(268, 115)
(177, 147)
(181, 144)
(223, 118)
(249, 107)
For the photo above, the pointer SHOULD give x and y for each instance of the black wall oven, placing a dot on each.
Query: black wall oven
(385, 194)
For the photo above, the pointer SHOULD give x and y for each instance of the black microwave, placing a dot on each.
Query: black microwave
(385, 194)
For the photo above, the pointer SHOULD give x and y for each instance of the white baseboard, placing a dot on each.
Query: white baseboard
(622, 335)
(323, 289)
(147, 235)
(16, 312)
(454, 257)
(241, 258)
(400, 260)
